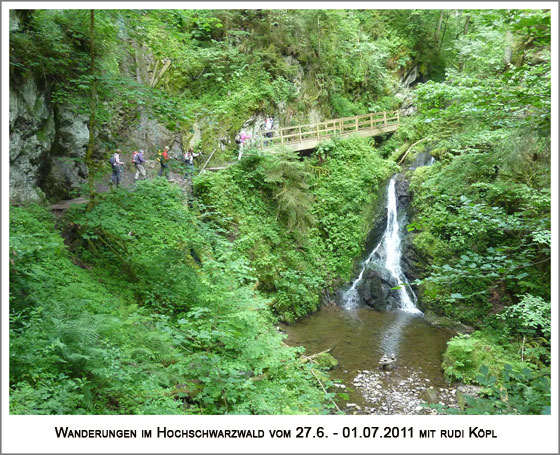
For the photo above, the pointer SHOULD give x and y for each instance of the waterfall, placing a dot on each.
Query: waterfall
(386, 253)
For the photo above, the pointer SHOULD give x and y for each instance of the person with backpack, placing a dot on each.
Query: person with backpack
(163, 159)
(242, 138)
(138, 160)
(188, 158)
(116, 166)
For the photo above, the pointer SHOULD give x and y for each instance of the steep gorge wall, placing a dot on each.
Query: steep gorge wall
(48, 141)
(47, 145)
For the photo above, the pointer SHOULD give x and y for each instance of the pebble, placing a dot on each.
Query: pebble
(385, 394)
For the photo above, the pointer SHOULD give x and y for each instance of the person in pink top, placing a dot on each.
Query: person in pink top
(244, 138)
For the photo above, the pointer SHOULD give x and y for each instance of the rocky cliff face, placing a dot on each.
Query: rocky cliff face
(47, 145)
(32, 134)
(48, 142)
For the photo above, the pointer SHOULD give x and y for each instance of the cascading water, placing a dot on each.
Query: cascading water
(388, 254)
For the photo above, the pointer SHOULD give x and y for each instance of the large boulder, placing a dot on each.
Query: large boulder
(412, 262)
(375, 288)
(47, 145)
(402, 189)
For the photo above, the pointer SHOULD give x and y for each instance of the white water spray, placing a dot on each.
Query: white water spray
(387, 253)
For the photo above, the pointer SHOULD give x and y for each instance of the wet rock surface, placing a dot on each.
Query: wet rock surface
(446, 323)
(376, 288)
(403, 391)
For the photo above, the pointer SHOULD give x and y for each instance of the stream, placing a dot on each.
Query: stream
(359, 336)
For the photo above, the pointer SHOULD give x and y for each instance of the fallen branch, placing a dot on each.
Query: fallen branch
(306, 358)
(164, 68)
(410, 148)
(324, 390)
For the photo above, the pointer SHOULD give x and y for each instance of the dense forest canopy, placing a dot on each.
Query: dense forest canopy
(156, 299)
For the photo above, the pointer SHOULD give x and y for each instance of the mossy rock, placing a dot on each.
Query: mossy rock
(444, 322)
(326, 361)
(467, 353)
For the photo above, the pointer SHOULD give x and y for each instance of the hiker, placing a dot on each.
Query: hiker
(163, 158)
(138, 160)
(116, 163)
(268, 124)
(242, 138)
(188, 158)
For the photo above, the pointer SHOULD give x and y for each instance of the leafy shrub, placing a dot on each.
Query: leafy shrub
(170, 335)
(531, 315)
(299, 224)
(512, 392)
(465, 355)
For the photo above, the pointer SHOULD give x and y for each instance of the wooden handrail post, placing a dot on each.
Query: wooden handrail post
(208, 160)
(300, 138)
(317, 127)
(356, 124)
(385, 118)
(398, 118)
(371, 120)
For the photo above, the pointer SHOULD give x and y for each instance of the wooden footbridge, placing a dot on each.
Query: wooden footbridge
(305, 137)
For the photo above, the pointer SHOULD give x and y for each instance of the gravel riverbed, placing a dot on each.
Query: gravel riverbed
(403, 391)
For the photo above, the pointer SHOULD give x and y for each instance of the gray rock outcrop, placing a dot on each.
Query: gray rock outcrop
(375, 289)
(32, 133)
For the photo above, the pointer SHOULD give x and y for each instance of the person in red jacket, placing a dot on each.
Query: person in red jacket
(163, 158)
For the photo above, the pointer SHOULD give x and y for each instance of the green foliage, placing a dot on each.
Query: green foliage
(467, 353)
(299, 224)
(169, 335)
(344, 198)
(483, 209)
(482, 212)
(531, 315)
(289, 176)
(226, 65)
(67, 333)
(514, 392)
(163, 307)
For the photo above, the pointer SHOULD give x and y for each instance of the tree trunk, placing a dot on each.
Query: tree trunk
(466, 27)
(509, 48)
(318, 37)
(93, 93)
(443, 33)
(438, 29)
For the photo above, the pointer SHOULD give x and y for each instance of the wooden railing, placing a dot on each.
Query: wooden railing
(310, 135)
